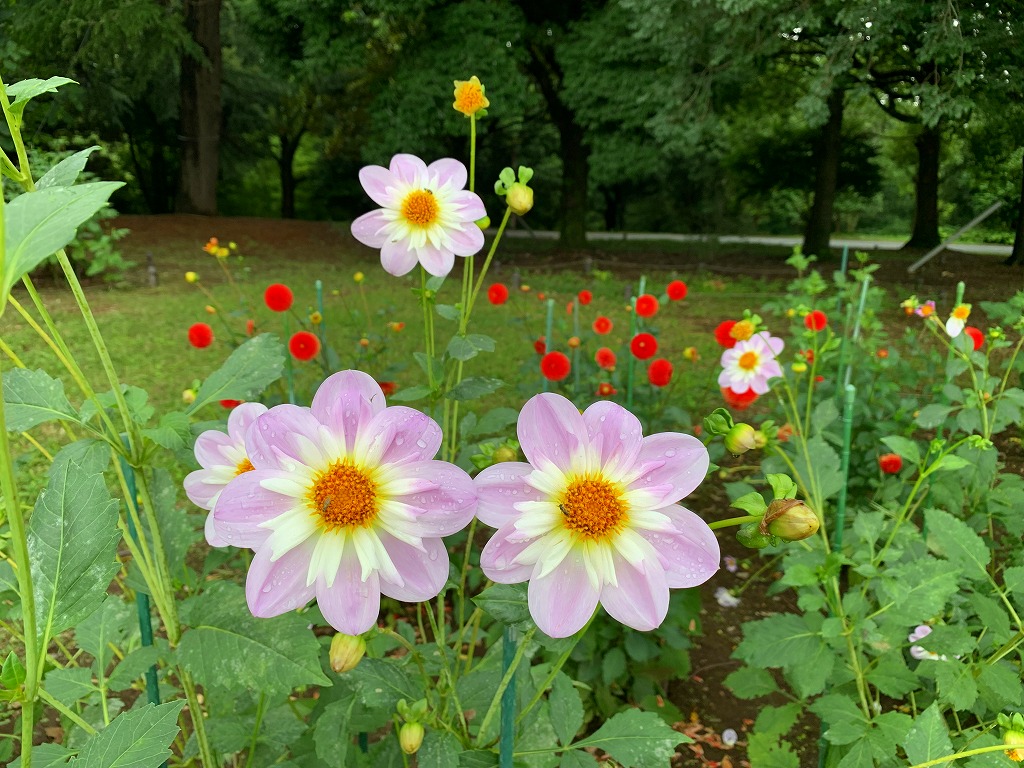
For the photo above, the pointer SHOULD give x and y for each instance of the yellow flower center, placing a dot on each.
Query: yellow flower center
(742, 331)
(420, 208)
(593, 508)
(244, 466)
(748, 360)
(962, 312)
(344, 495)
(469, 98)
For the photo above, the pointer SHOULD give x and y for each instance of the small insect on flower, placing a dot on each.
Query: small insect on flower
(602, 326)
(676, 290)
(278, 297)
(200, 335)
(555, 366)
(497, 294)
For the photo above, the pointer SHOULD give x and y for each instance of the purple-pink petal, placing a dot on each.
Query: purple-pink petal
(397, 257)
(211, 447)
(640, 599)
(549, 430)
(472, 207)
(200, 493)
(397, 435)
(446, 508)
(346, 402)
(350, 605)
(243, 505)
(499, 487)
(467, 239)
(670, 465)
(615, 434)
(283, 436)
(409, 169)
(690, 555)
(448, 171)
(496, 558)
(437, 261)
(273, 588)
(377, 182)
(213, 538)
(563, 601)
(369, 229)
(423, 571)
(241, 418)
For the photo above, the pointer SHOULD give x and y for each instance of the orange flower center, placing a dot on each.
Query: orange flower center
(961, 312)
(420, 208)
(244, 466)
(343, 495)
(469, 98)
(748, 360)
(742, 331)
(593, 508)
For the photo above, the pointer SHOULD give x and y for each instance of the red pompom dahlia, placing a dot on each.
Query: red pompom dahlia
(304, 345)
(200, 335)
(278, 297)
(554, 366)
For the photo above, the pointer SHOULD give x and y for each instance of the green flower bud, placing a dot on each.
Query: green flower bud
(740, 439)
(519, 198)
(790, 520)
(346, 652)
(484, 223)
(749, 535)
(411, 737)
(505, 453)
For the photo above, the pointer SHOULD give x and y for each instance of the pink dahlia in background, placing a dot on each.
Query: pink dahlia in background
(425, 216)
(344, 504)
(593, 517)
(222, 457)
(751, 363)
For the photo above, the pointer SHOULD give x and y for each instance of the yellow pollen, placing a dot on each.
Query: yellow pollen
(748, 360)
(593, 508)
(244, 466)
(420, 208)
(343, 495)
(962, 312)
(469, 97)
(742, 331)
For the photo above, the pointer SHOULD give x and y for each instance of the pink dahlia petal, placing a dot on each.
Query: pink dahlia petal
(241, 419)
(212, 448)
(369, 229)
(399, 434)
(283, 436)
(670, 465)
(759, 383)
(379, 184)
(548, 429)
(273, 588)
(615, 434)
(562, 602)
(437, 261)
(498, 554)
(773, 342)
(467, 239)
(424, 572)
(350, 605)
(199, 491)
(448, 171)
(409, 169)
(243, 505)
(448, 506)
(499, 487)
(213, 538)
(346, 402)
(397, 257)
(725, 380)
(471, 204)
(640, 600)
(690, 554)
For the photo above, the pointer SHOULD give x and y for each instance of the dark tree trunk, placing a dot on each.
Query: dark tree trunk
(827, 151)
(286, 166)
(614, 208)
(926, 206)
(1017, 254)
(200, 110)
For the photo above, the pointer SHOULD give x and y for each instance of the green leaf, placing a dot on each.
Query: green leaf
(12, 676)
(949, 463)
(474, 387)
(249, 370)
(65, 173)
(135, 739)
(907, 449)
(40, 223)
(613, 665)
(478, 758)
(928, 738)
(566, 709)
(23, 91)
(956, 684)
(505, 602)
(227, 646)
(824, 466)
(918, 588)
(70, 685)
(382, 682)
(951, 537)
(636, 739)
(844, 722)
(468, 347)
(792, 642)
(332, 736)
(777, 721)
(824, 415)
(750, 682)
(47, 756)
(1000, 682)
(176, 530)
(892, 676)
(105, 629)
(752, 503)
(932, 416)
(577, 758)
(1013, 578)
(440, 750)
(72, 539)
(32, 397)
(448, 311)
(133, 667)
(409, 394)
(494, 421)
(783, 486)
(174, 432)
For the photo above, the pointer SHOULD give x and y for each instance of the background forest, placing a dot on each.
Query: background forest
(894, 118)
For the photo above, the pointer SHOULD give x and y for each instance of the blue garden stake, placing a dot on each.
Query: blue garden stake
(842, 271)
(856, 324)
(548, 330)
(507, 739)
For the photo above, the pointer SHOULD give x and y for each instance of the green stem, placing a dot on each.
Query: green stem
(70, 714)
(492, 710)
(553, 672)
(428, 340)
(487, 262)
(261, 707)
(734, 521)
(961, 755)
(472, 153)
(206, 753)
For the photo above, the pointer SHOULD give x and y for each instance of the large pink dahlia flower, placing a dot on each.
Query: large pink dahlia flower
(593, 517)
(425, 214)
(344, 504)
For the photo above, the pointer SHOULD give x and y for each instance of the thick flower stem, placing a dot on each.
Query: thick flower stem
(206, 753)
(961, 755)
(553, 672)
(510, 671)
(733, 521)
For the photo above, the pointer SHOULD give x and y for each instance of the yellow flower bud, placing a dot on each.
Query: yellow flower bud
(484, 223)
(191, 277)
(316, 318)
(574, 342)
(188, 396)
(740, 439)
(1015, 738)
(411, 737)
(211, 310)
(799, 367)
(358, 277)
(505, 454)
(691, 354)
(346, 652)
(519, 198)
(364, 342)
(790, 520)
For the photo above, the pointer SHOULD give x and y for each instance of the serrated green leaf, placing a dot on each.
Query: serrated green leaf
(577, 758)
(767, 752)
(410, 394)
(951, 537)
(227, 646)
(1013, 578)
(505, 602)
(47, 756)
(824, 415)
(636, 739)
(70, 685)
(34, 397)
(494, 421)
(250, 369)
(332, 736)
(440, 750)
(478, 758)
(844, 722)
(12, 676)
(136, 399)
(752, 503)
(23, 91)
(66, 172)
(792, 642)
(174, 432)
(467, 347)
(918, 588)
(1001, 682)
(928, 738)
(135, 739)
(474, 387)
(133, 667)
(750, 682)
(907, 449)
(566, 709)
(892, 676)
(381, 683)
(956, 684)
(40, 223)
(104, 629)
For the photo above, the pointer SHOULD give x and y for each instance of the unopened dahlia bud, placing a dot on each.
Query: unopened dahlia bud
(191, 277)
(411, 737)
(484, 223)
(346, 652)
(188, 396)
(790, 520)
(505, 453)
(519, 198)
(740, 439)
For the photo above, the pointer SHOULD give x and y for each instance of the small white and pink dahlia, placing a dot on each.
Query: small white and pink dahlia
(751, 363)
(222, 457)
(344, 503)
(425, 216)
(593, 517)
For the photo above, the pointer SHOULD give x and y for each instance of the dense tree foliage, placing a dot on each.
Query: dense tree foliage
(897, 117)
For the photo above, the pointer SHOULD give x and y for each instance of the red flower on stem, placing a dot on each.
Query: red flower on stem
(497, 294)
(722, 334)
(605, 358)
(604, 389)
(200, 335)
(554, 366)
(278, 297)
(676, 290)
(816, 320)
(646, 305)
(976, 336)
(584, 297)
(737, 400)
(539, 346)
(231, 403)
(602, 325)
(890, 463)
(388, 387)
(660, 372)
(643, 346)
(304, 345)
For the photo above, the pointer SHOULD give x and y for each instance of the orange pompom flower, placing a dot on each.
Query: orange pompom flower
(602, 325)
(604, 389)
(737, 400)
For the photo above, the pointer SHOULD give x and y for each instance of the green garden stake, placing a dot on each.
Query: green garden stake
(848, 403)
(548, 330)
(856, 324)
(842, 271)
(320, 309)
(576, 349)
(507, 738)
(289, 373)
(630, 361)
